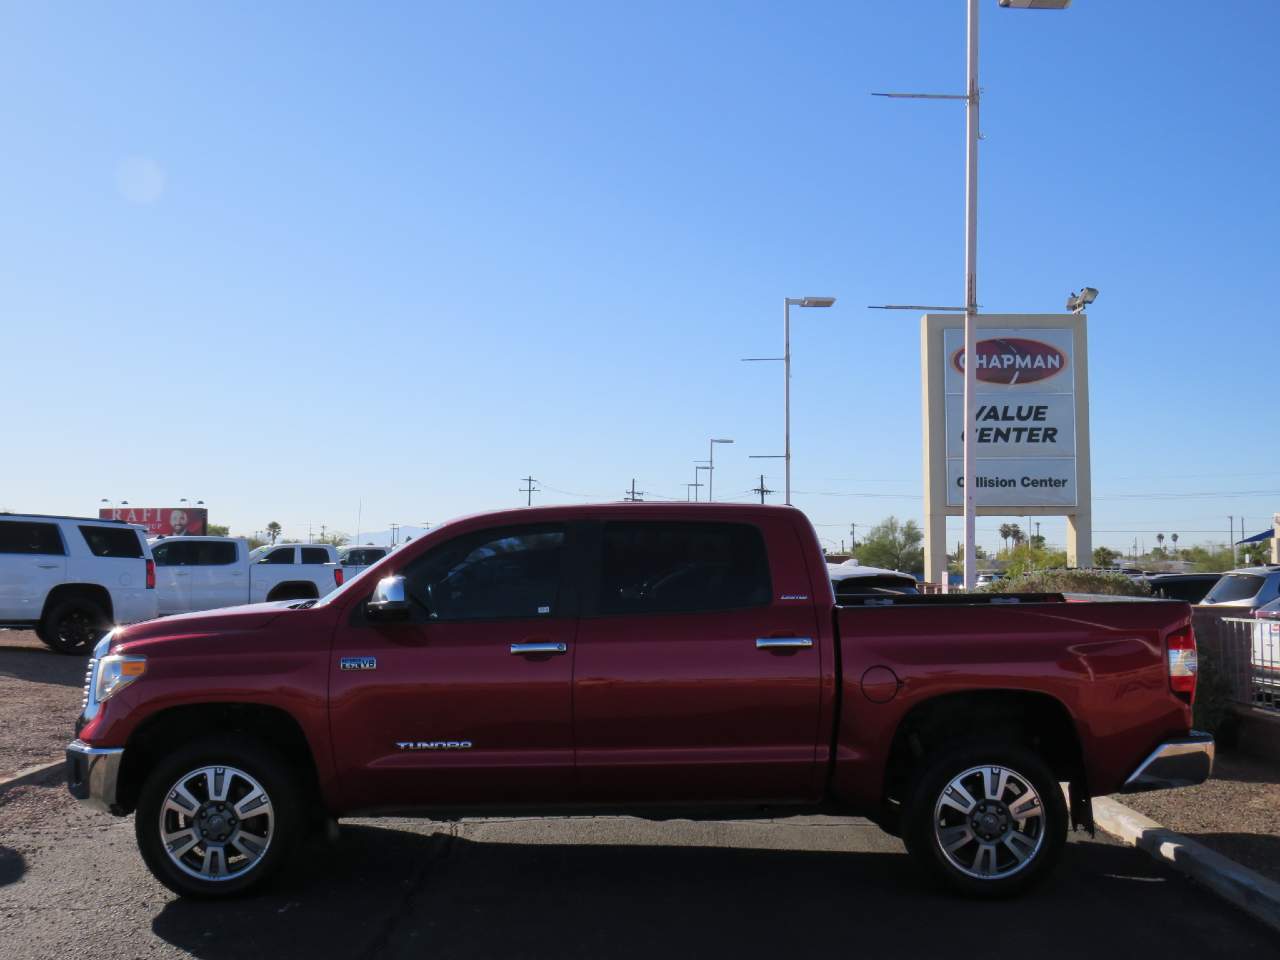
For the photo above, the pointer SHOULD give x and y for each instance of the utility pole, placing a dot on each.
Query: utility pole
(322, 533)
(633, 495)
(853, 536)
(1231, 538)
(395, 534)
(762, 489)
(529, 490)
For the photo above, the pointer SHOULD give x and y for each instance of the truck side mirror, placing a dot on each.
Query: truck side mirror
(389, 601)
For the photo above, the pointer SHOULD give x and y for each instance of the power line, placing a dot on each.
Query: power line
(633, 495)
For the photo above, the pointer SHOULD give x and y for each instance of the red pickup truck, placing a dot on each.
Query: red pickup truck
(651, 659)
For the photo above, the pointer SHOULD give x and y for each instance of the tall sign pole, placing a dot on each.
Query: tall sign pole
(969, 470)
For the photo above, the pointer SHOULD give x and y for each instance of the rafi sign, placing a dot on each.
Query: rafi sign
(1025, 418)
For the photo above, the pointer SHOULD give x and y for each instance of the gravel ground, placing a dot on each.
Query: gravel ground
(1237, 812)
(40, 693)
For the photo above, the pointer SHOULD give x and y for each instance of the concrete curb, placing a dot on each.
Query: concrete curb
(30, 775)
(1250, 891)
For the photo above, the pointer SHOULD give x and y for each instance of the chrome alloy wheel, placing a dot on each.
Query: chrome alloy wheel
(989, 822)
(216, 823)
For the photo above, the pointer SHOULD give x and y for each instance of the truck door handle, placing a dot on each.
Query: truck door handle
(539, 647)
(47, 566)
(783, 643)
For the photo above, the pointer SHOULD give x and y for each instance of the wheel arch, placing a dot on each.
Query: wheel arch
(293, 590)
(93, 592)
(1038, 720)
(170, 728)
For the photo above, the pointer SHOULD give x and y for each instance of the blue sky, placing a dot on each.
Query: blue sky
(289, 258)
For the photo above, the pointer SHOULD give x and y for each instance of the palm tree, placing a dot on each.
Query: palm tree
(1174, 538)
(1006, 531)
(1160, 540)
(1015, 532)
(273, 531)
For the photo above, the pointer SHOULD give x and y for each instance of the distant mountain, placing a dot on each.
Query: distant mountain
(382, 538)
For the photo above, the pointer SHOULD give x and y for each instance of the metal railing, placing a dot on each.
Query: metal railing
(1246, 653)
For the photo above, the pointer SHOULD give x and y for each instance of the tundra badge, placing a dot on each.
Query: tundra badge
(433, 744)
(358, 663)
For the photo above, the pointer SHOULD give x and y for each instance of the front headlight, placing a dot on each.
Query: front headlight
(115, 673)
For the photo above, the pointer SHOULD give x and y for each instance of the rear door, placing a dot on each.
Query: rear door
(273, 566)
(33, 560)
(469, 701)
(217, 575)
(695, 680)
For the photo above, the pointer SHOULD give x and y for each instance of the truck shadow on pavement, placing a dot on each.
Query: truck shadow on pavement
(42, 666)
(12, 866)
(387, 893)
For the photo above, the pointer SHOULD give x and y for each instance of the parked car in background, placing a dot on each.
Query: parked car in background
(852, 579)
(1265, 655)
(72, 578)
(652, 659)
(1191, 587)
(204, 573)
(355, 559)
(1247, 588)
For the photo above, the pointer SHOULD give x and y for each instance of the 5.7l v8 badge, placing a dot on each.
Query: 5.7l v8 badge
(358, 663)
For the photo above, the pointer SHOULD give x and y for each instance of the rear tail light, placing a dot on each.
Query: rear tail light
(337, 576)
(151, 574)
(1183, 663)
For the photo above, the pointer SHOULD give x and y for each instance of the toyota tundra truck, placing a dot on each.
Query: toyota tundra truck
(657, 660)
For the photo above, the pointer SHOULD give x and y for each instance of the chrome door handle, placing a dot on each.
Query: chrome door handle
(539, 647)
(47, 566)
(783, 643)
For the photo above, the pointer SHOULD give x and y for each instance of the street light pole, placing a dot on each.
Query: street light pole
(786, 393)
(969, 464)
(711, 466)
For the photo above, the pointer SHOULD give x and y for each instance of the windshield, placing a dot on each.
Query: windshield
(1235, 586)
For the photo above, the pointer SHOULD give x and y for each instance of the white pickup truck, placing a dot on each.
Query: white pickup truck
(204, 573)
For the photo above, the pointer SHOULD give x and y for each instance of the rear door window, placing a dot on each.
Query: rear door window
(113, 542)
(681, 568)
(279, 555)
(214, 553)
(24, 536)
(1235, 586)
(315, 555)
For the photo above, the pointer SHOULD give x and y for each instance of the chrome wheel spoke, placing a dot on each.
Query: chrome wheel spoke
(953, 838)
(218, 782)
(254, 804)
(181, 801)
(180, 841)
(1020, 845)
(958, 797)
(1026, 806)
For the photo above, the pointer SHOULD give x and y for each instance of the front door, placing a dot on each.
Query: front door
(175, 561)
(468, 701)
(695, 680)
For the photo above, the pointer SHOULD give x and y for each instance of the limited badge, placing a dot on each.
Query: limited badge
(358, 663)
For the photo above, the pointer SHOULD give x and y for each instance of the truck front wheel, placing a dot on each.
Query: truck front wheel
(218, 817)
(986, 817)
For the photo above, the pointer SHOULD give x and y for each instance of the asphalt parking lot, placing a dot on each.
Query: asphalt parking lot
(72, 884)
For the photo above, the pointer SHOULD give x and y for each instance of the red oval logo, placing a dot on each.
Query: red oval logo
(1014, 360)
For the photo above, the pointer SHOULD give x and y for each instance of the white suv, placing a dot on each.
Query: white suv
(72, 578)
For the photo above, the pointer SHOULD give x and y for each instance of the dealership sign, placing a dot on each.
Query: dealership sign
(162, 521)
(1024, 423)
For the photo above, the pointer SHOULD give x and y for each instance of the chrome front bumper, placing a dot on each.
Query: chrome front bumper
(1184, 762)
(92, 774)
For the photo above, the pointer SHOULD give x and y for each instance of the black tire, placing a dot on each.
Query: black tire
(245, 756)
(73, 625)
(999, 871)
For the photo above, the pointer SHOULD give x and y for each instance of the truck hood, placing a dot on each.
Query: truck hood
(250, 616)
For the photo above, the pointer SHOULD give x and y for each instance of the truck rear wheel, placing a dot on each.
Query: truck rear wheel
(986, 817)
(218, 818)
(73, 625)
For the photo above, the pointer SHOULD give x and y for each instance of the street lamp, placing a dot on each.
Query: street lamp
(711, 466)
(1078, 301)
(787, 304)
